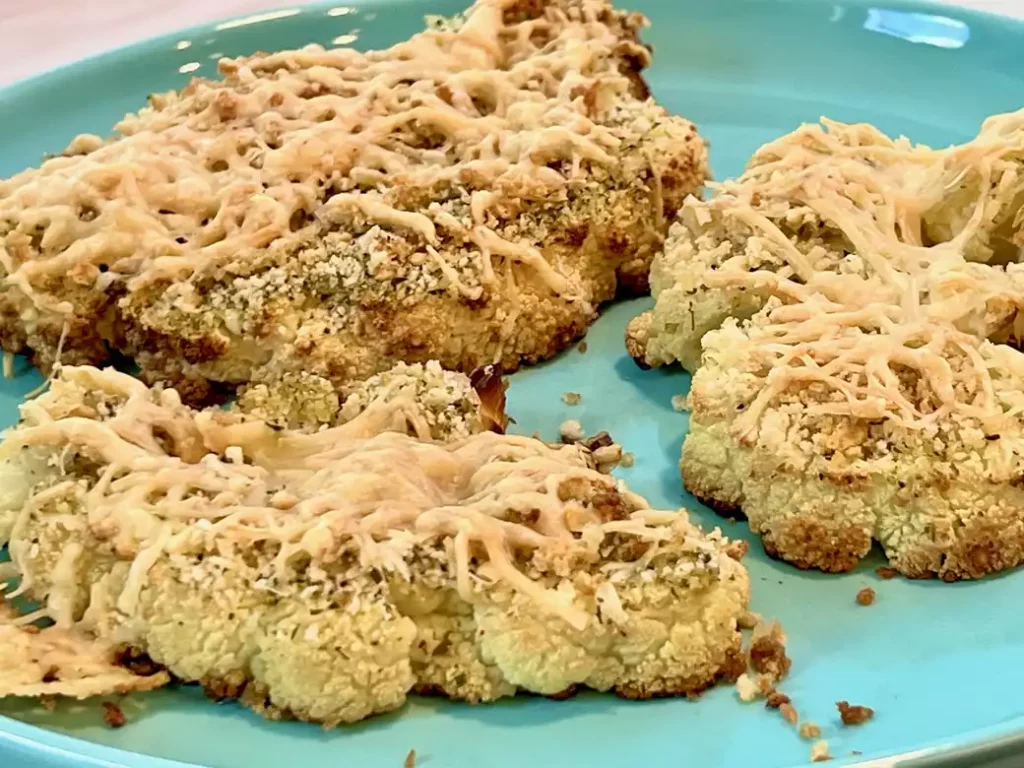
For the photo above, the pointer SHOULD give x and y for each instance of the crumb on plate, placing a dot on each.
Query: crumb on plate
(789, 713)
(810, 730)
(746, 688)
(768, 651)
(866, 596)
(819, 752)
(571, 431)
(113, 715)
(854, 714)
(572, 398)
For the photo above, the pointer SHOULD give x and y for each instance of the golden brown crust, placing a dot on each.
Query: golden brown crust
(807, 543)
(970, 550)
(733, 665)
(981, 547)
(724, 508)
(464, 335)
(227, 688)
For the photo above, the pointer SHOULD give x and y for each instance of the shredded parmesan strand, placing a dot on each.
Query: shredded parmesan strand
(220, 482)
(224, 176)
(904, 334)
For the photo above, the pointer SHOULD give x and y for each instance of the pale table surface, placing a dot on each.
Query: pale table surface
(37, 35)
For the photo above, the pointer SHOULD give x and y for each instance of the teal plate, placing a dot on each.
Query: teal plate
(940, 663)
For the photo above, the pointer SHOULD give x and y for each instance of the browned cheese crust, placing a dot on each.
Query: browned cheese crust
(472, 195)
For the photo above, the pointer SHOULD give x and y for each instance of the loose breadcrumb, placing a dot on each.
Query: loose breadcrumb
(572, 398)
(746, 688)
(866, 596)
(113, 715)
(810, 730)
(582, 347)
(776, 699)
(819, 752)
(628, 460)
(410, 759)
(854, 714)
(571, 431)
(679, 403)
(768, 651)
(886, 572)
(789, 713)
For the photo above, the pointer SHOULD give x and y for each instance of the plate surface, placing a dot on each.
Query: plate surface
(939, 663)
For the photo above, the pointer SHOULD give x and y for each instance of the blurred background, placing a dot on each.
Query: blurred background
(36, 35)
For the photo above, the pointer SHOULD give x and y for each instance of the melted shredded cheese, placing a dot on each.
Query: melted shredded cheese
(205, 181)
(905, 335)
(365, 485)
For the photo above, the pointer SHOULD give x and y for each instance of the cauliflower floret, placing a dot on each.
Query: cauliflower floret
(340, 665)
(450, 405)
(325, 576)
(34, 467)
(673, 636)
(326, 655)
(819, 484)
(295, 400)
(446, 657)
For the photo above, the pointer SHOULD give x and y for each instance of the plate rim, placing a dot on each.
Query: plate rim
(19, 739)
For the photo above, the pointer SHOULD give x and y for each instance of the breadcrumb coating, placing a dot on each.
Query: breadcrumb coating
(471, 195)
(857, 303)
(325, 575)
(452, 407)
(912, 439)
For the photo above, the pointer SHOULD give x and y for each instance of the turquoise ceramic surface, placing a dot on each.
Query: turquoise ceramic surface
(940, 663)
